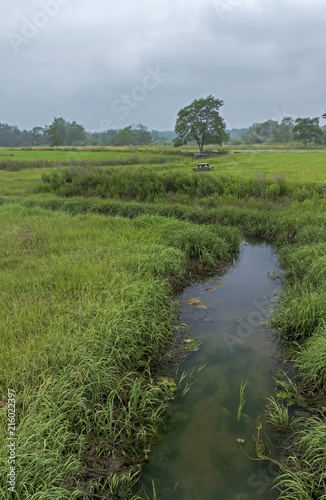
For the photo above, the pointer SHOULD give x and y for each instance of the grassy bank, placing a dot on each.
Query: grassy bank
(86, 314)
(86, 278)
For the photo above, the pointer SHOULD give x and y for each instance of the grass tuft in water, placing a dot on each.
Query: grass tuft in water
(277, 414)
(242, 399)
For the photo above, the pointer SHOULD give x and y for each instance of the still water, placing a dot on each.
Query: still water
(198, 457)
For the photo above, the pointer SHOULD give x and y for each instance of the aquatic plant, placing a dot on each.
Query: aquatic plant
(277, 414)
(242, 401)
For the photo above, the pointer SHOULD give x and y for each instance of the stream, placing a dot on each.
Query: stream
(197, 456)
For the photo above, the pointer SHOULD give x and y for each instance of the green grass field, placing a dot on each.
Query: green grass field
(86, 305)
(298, 167)
(67, 154)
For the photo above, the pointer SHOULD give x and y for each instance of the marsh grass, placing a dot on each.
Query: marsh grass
(311, 359)
(22, 159)
(303, 473)
(151, 185)
(300, 312)
(277, 414)
(87, 312)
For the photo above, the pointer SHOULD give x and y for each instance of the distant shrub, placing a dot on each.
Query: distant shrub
(301, 194)
(273, 191)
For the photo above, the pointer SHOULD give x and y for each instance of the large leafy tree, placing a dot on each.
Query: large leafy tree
(201, 122)
(307, 130)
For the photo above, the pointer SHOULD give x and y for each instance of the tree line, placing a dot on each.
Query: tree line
(188, 131)
(64, 133)
(305, 130)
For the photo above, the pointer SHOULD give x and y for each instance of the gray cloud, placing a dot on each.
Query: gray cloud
(85, 60)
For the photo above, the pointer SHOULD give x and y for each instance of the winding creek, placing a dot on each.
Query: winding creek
(197, 456)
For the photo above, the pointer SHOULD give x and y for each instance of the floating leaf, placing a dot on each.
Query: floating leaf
(210, 289)
(193, 301)
(197, 303)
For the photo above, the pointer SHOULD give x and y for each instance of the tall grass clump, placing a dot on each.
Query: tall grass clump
(205, 243)
(303, 473)
(300, 311)
(197, 242)
(298, 262)
(311, 359)
(277, 414)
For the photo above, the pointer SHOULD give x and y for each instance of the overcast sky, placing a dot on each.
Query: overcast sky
(108, 64)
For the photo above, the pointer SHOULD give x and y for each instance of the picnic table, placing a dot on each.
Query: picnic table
(202, 167)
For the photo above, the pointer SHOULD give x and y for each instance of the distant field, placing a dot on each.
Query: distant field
(294, 166)
(66, 154)
(20, 183)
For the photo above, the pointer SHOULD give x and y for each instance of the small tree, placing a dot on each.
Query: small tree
(201, 122)
(285, 130)
(75, 134)
(307, 130)
(142, 135)
(57, 131)
(125, 137)
(37, 136)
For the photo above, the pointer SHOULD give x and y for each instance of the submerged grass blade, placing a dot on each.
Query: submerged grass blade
(242, 401)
